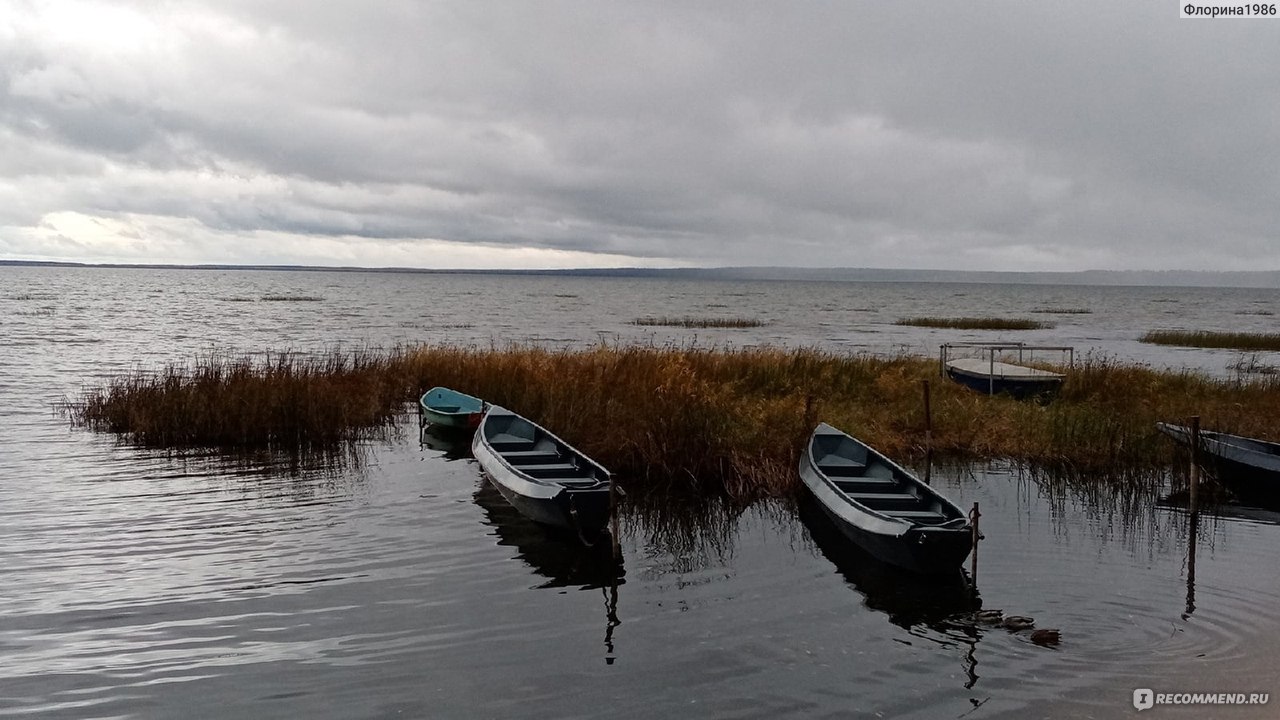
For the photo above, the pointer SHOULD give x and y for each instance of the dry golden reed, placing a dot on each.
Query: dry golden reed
(975, 323)
(1210, 339)
(679, 418)
(698, 322)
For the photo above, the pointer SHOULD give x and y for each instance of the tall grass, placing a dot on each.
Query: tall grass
(1210, 339)
(975, 323)
(282, 401)
(686, 419)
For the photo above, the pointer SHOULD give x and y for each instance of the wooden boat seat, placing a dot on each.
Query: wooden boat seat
(866, 485)
(886, 501)
(532, 457)
(554, 471)
(921, 516)
(835, 466)
(446, 408)
(504, 442)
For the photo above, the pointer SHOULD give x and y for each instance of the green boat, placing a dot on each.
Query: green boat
(443, 407)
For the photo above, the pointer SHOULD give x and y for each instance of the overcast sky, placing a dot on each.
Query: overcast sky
(989, 135)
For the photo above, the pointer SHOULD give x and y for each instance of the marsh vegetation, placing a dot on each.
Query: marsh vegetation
(681, 418)
(975, 323)
(1211, 339)
(698, 322)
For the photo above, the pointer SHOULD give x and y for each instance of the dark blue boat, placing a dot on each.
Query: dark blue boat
(1010, 376)
(995, 378)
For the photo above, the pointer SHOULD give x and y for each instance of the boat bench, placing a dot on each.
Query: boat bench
(504, 442)
(866, 485)
(918, 515)
(446, 408)
(554, 471)
(836, 466)
(531, 457)
(886, 501)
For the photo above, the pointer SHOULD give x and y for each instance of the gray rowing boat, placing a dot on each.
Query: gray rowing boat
(881, 506)
(542, 476)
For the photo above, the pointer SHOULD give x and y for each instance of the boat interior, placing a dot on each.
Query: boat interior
(448, 401)
(530, 451)
(874, 484)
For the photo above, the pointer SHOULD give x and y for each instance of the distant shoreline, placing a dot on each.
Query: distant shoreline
(1261, 279)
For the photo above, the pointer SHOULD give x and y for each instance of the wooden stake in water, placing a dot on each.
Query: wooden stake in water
(1194, 478)
(928, 435)
(613, 519)
(977, 535)
(1192, 541)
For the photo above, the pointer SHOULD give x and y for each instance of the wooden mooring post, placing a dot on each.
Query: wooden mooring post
(1193, 479)
(613, 520)
(928, 436)
(1193, 522)
(974, 515)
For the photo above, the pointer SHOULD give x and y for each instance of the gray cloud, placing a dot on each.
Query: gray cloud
(1006, 135)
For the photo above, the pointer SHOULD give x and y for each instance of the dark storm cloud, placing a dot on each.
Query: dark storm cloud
(1013, 135)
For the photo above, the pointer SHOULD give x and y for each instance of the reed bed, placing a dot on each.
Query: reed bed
(698, 322)
(282, 401)
(1211, 339)
(291, 298)
(682, 419)
(1062, 311)
(975, 323)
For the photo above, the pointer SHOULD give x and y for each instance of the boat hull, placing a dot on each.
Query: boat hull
(447, 408)
(584, 509)
(1020, 388)
(1249, 468)
(920, 548)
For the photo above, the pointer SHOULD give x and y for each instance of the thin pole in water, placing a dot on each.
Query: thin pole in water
(976, 536)
(1194, 479)
(1192, 541)
(613, 519)
(928, 435)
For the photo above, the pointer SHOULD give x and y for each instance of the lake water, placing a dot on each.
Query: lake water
(142, 585)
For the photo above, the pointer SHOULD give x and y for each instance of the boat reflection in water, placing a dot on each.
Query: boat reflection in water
(907, 598)
(561, 558)
(451, 443)
(940, 608)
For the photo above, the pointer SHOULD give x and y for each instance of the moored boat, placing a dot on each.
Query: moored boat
(443, 407)
(994, 377)
(1248, 467)
(542, 476)
(881, 506)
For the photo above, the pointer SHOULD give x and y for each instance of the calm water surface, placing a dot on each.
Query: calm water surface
(141, 585)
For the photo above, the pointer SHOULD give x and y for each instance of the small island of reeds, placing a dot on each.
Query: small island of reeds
(698, 322)
(1210, 339)
(975, 323)
(1062, 311)
(729, 421)
(292, 298)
